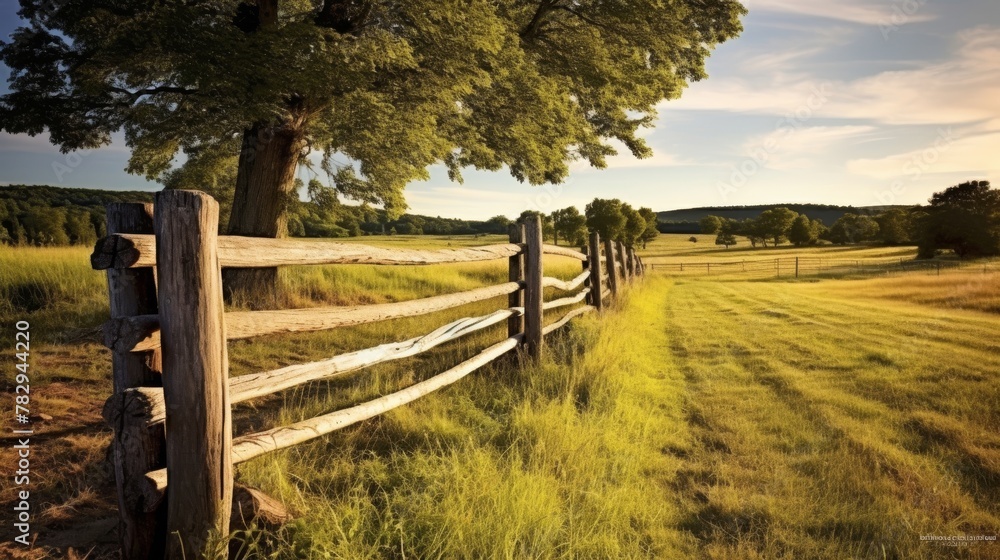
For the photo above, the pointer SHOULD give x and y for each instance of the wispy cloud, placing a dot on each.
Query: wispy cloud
(855, 11)
(801, 148)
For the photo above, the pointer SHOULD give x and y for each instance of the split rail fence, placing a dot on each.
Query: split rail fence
(173, 447)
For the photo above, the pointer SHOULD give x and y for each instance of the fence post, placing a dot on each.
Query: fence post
(137, 448)
(609, 256)
(796, 267)
(630, 260)
(533, 287)
(195, 372)
(515, 324)
(620, 251)
(596, 285)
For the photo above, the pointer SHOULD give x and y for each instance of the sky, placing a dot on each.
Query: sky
(854, 102)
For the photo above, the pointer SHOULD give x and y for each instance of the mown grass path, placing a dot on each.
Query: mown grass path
(825, 426)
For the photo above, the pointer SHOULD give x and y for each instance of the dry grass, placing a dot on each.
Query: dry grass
(740, 419)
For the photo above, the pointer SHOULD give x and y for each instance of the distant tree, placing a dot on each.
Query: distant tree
(754, 231)
(803, 231)
(895, 227)
(693, 239)
(45, 226)
(651, 231)
(498, 224)
(79, 230)
(775, 223)
(635, 226)
(727, 233)
(569, 224)
(606, 218)
(853, 228)
(964, 218)
(820, 229)
(710, 224)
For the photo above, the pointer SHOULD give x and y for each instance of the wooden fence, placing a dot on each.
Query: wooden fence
(795, 267)
(173, 447)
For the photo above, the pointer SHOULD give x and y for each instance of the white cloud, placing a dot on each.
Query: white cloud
(855, 11)
(964, 89)
(974, 155)
(800, 148)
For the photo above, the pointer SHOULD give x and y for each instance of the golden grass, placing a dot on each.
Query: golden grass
(695, 419)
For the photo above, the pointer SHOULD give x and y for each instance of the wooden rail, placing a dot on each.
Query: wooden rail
(170, 319)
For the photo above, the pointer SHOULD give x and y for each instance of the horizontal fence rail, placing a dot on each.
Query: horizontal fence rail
(171, 366)
(820, 266)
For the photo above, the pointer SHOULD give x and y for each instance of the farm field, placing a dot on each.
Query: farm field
(736, 419)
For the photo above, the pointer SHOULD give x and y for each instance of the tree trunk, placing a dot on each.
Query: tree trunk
(265, 184)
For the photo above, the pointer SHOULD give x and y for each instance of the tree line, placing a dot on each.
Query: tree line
(964, 219)
(612, 219)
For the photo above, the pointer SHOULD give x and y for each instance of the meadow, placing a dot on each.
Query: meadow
(697, 418)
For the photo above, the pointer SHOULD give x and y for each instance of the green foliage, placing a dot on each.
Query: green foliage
(897, 226)
(727, 232)
(393, 87)
(774, 224)
(50, 216)
(651, 230)
(570, 225)
(710, 224)
(964, 218)
(803, 231)
(605, 216)
(853, 228)
(635, 226)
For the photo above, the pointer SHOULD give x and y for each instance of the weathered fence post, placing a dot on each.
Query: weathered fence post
(596, 285)
(630, 259)
(533, 287)
(609, 256)
(620, 251)
(137, 448)
(195, 373)
(515, 324)
(796, 267)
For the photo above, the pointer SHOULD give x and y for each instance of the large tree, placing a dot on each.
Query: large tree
(775, 223)
(382, 89)
(569, 224)
(964, 218)
(605, 216)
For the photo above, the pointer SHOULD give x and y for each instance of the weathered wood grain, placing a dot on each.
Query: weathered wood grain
(563, 252)
(195, 371)
(609, 253)
(142, 333)
(515, 273)
(246, 387)
(563, 302)
(253, 445)
(136, 448)
(134, 251)
(596, 274)
(567, 285)
(567, 318)
(533, 289)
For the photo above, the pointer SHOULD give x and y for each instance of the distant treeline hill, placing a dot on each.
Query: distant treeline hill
(45, 216)
(686, 220)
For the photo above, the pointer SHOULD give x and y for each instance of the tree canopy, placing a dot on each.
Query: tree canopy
(381, 89)
(964, 218)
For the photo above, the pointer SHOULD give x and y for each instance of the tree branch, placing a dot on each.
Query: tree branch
(154, 91)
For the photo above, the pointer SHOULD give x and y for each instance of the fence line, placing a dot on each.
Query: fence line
(169, 328)
(795, 267)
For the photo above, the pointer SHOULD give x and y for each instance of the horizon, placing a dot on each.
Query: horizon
(863, 104)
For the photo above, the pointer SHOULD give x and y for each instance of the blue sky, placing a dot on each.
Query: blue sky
(859, 102)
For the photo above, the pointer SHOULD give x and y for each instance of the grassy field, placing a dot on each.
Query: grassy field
(738, 419)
